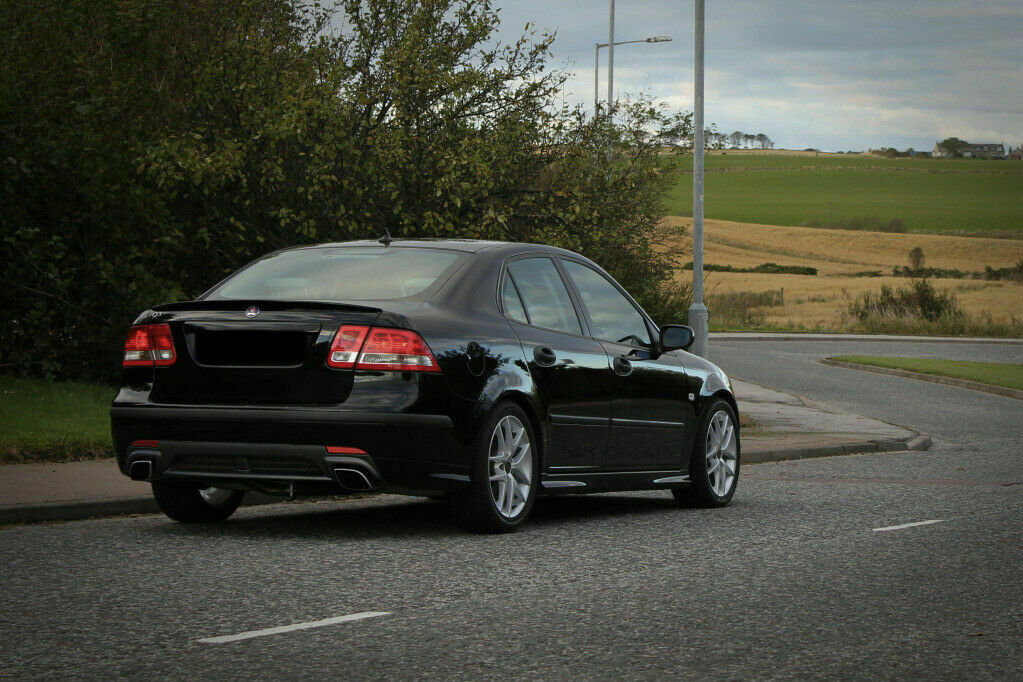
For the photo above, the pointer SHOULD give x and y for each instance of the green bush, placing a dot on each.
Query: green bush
(918, 300)
(148, 149)
(1013, 273)
(741, 309)
(867, 223)
(769, 268)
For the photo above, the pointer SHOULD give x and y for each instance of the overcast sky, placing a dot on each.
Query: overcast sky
(833, 75)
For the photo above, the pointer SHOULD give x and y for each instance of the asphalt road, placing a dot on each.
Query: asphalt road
(790, 581)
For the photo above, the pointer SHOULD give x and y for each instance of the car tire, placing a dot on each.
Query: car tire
(504, 474)
(189, 503)
(714, 465)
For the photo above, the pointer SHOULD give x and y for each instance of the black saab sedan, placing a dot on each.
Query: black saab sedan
(485, 373)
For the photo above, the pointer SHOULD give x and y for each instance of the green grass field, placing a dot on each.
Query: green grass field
(998, 374)
(48, 421)
(928, 195)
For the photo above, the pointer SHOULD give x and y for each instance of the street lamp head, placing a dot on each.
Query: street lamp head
(659, 39)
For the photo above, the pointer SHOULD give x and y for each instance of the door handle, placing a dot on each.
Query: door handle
(622, 365)
(544, 356)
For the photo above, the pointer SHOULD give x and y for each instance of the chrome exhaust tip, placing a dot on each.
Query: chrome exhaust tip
(140, 470)
(352, 479)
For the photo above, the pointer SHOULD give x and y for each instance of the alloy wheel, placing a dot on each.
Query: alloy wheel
(511, 467)
(722, 453)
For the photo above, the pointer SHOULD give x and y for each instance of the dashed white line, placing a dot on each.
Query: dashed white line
(910, 525)
(224, 639)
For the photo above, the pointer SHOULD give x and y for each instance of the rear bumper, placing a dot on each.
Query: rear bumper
(256, 444)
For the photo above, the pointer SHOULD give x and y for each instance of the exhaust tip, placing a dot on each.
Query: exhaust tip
(352, 479)
(140, 470)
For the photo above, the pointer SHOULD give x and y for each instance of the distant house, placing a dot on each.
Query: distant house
(1016, 154)
(976, 151)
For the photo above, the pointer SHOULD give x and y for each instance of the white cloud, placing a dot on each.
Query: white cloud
(847, 75)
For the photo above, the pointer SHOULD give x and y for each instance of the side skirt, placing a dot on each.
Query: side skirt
(579, 482)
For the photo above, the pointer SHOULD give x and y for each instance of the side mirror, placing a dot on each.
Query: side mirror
(676, 336)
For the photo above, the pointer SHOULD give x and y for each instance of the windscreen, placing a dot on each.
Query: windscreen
(340, 274)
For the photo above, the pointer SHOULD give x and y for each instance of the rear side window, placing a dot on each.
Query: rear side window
(339, 274)
(614, 317)
(511, 302)
(544, 295)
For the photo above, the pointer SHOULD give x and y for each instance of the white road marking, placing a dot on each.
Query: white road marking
(910, 525)
(224, 639)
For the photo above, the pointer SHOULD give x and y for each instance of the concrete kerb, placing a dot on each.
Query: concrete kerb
(1003, 391)
(918, 442)
(91, 509)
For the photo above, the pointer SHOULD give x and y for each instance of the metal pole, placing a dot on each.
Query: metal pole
(596, 78)
(698, 311)
(611, 58)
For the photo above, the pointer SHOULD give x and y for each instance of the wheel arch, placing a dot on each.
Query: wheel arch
(533, 414)
(727, 396)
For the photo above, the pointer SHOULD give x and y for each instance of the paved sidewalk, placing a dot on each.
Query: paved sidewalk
(788, 427)
(791, 427)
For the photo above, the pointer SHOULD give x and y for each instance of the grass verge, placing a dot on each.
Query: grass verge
(994, 373)
(43, 421)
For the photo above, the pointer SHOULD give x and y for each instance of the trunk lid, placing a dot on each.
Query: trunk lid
(255, 352)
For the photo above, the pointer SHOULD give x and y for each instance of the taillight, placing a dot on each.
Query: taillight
(162, 344)
(347, 342)
(381, 348)
(396, 349)
(149, 345)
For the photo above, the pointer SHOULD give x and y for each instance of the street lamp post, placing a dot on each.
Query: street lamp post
(610, 57)
(596, 65)
(698, 311)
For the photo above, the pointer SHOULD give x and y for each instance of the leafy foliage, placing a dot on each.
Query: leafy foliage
(917, 300)
(741, 309)
(952, 146)
(766, 268)
(149, 149)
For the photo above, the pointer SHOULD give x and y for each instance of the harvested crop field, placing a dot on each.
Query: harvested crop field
(818, 302)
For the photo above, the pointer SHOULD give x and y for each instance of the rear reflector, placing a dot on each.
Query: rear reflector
(343, 450)
(149, 345)
(381, 348)
(145, 443)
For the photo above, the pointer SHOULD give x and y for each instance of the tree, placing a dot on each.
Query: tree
(952, 146)
(149, 149)
(916, 258)
(736, 139)
(748, 140)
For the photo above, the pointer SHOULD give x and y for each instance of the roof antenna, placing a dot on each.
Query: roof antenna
(386, 239)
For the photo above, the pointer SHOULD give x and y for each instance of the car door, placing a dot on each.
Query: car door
(648, 389)
(570, 369)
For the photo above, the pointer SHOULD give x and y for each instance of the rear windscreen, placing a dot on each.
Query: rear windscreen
(339, 274)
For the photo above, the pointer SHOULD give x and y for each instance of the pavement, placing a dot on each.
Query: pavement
(788, 427)
(880, 565)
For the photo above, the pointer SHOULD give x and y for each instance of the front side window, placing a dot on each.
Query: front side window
(544, 295)
(614, 317)
(340, 274)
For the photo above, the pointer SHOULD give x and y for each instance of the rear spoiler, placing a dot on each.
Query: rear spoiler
(242, 305)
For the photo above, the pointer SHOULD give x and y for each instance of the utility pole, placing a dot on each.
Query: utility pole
(698, 311)
(611, 58)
